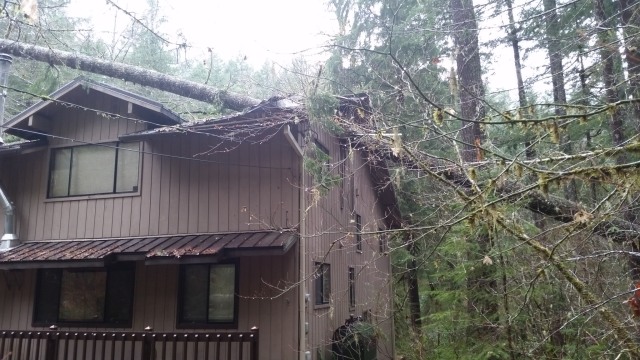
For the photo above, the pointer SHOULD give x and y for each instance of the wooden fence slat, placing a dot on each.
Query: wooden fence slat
(124, 345)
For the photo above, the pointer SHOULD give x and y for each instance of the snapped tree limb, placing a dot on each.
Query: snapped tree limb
(134, 74)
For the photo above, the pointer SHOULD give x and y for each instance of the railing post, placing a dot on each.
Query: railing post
(51, 345)
(147, 344)
(254, 343)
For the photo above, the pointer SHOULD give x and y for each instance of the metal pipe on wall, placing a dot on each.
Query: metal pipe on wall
(9, 239)
(5, 66)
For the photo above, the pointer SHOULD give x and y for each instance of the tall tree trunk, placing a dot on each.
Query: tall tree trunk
(554, 48)
(529, 151)
(630, 19)
(515, 45)
(584, 101)
(607, 42)
(129, 73)
(415, 313)
(470, 87)
(481, 279)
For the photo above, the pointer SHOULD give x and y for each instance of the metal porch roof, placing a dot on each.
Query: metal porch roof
(167, 249)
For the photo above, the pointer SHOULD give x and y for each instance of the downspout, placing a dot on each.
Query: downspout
(302, 305)
(9, 239)
(5, 65)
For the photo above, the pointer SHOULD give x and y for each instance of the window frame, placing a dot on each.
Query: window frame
(383, 241)
(114, 144)
(322, 296)
(358, 221)
(128, 266)
(181, 324)
(342, 171)
(351, 280)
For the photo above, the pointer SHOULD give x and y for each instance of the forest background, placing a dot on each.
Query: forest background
(518, 184)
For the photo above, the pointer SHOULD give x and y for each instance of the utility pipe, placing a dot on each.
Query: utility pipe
(302, 305)
(5, 66)
(9, 239)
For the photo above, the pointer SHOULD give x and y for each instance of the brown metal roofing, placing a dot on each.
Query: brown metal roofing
(157, 249)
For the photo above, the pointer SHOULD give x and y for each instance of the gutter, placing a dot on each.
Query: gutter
(9, 239)
(302, 304)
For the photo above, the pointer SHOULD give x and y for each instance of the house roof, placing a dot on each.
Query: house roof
(20, 146)
(194, 248)
(269, 114)
(268, 117)
(71, 93)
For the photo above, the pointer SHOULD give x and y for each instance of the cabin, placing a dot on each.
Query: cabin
(128, 233)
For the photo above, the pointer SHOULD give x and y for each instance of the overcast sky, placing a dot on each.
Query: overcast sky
(262, 30)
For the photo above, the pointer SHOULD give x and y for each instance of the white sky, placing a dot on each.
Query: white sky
(275, 30)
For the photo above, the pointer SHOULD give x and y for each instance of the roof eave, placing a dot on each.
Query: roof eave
(12, 128)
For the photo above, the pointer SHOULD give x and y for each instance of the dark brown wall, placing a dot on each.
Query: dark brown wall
(329, 237)
(266, 300)
(189, 184)
(196, 184)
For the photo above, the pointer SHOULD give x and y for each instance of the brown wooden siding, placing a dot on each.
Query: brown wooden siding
(183, 188)
(265, 301)
(245, 187)
(330, 238)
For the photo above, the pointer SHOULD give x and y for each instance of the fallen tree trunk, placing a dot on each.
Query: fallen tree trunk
(614, 228)
(134, 74)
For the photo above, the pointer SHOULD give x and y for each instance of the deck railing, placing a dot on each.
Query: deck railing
(128, 345)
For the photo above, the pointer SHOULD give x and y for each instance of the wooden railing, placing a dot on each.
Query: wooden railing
(128, 345)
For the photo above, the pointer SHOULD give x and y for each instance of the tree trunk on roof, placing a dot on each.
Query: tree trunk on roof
(134, 74)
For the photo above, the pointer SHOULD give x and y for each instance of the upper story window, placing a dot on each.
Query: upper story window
(109, 168)
(358, 233)
(323, 283)
(352, 287)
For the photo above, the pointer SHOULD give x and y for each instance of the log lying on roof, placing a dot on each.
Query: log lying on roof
(134, 74)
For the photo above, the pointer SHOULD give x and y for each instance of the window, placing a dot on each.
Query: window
(101, 296)
(343, 171)
(358, 233)
(383, 241)
(109, 168)
(352, 287)
(323, 283)
(208, 295)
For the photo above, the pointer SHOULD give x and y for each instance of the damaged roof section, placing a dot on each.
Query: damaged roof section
(172, 249)
(267, 117)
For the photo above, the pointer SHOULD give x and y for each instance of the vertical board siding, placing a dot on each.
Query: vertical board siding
(232, 187)
(330, 238)
(264, 301)
(188, 184)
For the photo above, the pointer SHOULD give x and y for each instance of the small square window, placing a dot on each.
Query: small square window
(102, 296)
(323, 283)
(208, 295)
